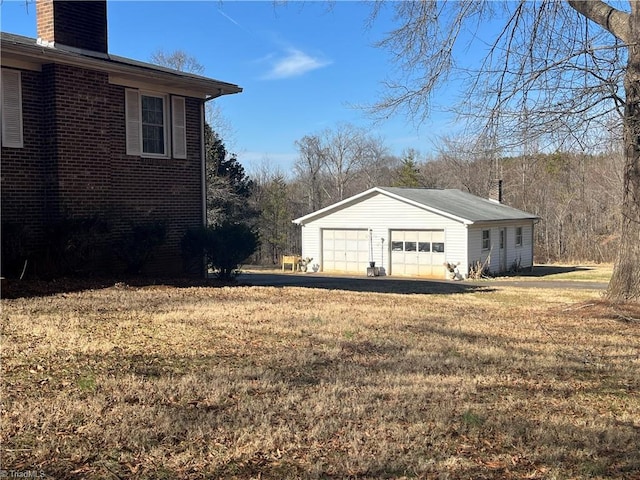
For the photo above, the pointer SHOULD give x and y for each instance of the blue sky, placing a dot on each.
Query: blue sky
(303, 66)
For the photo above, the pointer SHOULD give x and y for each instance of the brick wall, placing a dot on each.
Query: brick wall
(74, 164)
(81, 127)
(24, 176)
(151, 189)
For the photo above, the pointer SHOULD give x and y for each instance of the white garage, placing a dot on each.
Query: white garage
(416, 232)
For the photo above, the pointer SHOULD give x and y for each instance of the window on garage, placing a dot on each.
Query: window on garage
(518, 236)
(425, 247)
(486, 239)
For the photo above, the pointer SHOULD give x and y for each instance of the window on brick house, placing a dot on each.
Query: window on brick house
(154, 125)
(11, 108)
(154, 129)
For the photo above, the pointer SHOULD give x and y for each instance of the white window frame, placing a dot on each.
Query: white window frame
(519, 236)
(174, 124)
(165, 126)
(486, 242)
(11, 109)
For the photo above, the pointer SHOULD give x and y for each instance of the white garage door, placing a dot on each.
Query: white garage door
(345, 251)
(418, 253)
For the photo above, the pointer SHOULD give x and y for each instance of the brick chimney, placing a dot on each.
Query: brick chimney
(495, 191)
(79, 24)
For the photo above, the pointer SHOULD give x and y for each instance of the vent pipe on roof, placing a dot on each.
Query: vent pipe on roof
(495, 191)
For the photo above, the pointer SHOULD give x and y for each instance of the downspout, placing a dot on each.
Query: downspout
(203, 155)
(203, 181)
(203, 160)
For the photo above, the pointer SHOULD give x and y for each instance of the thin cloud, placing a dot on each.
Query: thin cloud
(294, 64)
(228, 17)
(232, 20)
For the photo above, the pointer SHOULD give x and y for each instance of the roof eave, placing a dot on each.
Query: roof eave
(334, 206)
(208, 88)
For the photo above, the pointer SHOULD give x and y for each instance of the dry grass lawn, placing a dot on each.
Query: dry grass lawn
(263, 382)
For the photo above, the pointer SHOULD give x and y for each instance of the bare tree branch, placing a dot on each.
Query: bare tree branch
(609, 18)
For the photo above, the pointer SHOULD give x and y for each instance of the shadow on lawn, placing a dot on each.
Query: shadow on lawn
(546, 270)
(41, 288)
(14, 288)
(364, 284)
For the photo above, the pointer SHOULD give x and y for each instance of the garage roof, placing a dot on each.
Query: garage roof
(451, 203)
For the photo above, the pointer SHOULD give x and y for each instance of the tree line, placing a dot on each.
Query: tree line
(575, 194)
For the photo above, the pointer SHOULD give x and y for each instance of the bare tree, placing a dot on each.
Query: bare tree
(343, 154)
(178, 60)
(348, 153)
(470, 165)
(309, 167)
(560, 67)
(376, 167)
(182, 61)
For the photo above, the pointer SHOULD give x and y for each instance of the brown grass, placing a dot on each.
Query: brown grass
(261, 382)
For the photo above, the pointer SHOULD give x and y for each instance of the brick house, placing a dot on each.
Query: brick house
(89, 135)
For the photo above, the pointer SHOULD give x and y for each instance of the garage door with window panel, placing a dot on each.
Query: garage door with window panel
(417, 252)
(345, 250)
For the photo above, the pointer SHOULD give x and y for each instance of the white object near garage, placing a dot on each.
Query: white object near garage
(415, 232)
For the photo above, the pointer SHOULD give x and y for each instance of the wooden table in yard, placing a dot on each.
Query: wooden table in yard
(293, 260)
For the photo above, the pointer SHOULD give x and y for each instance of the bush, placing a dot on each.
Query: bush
(194, 244)
(225, 247)
(15, 252)
(77, 246)
(479, 270)
(137, 246)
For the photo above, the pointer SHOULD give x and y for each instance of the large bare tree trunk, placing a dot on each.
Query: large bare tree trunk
(625, 282)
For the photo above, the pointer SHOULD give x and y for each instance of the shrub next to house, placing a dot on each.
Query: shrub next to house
(224, 247)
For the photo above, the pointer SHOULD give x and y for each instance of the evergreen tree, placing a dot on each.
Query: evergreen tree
(228, 186)
(408, 174)
(275, 218)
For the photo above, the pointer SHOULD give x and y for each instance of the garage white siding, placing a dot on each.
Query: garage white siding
(521, 255)
(311, 246)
